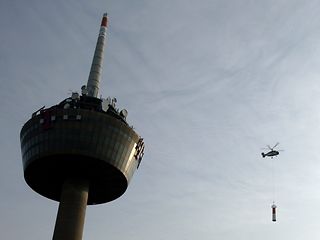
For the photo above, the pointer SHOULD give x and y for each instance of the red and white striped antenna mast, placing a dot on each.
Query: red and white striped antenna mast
(96, 66)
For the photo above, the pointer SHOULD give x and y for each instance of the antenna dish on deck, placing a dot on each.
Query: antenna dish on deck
(113, 102)
(124, 113)
(84, 90)
(75, 96)
(105, 104)
(66, 106)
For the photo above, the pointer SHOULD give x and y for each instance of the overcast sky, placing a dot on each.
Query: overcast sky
(207, 83)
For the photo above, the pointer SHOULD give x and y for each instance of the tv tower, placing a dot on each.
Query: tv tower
(81, 151)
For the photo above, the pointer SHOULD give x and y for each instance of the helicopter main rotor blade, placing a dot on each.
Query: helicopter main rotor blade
(269, 147)
(275, 145)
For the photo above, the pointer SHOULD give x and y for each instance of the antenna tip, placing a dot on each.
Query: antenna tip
(104, 21)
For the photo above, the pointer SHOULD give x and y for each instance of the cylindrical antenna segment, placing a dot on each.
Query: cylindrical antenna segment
(96, 66)
(274, 213)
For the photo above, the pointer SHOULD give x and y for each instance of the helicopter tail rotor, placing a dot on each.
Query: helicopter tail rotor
(263, 155)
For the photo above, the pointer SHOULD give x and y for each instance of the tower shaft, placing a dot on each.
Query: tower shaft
(96, 66)
(72, 210)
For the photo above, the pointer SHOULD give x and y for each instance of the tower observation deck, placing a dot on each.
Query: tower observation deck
(81, 151)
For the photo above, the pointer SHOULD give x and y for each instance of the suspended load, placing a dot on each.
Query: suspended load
(274, 213)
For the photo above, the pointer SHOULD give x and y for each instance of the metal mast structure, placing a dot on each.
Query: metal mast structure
(81, 151)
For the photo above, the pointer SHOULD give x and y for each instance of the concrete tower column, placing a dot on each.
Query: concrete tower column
(72, 210)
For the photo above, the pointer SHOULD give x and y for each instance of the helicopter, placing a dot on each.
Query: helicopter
(272, 153)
